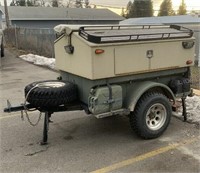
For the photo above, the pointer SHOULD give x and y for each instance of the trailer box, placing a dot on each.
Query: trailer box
(111, 51)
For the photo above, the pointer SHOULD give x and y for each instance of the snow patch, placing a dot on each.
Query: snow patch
(193, 109)
(39, 60)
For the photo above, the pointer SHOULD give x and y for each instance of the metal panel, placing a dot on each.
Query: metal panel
(103, 64)
(79, 63)
(170, 54)
(100, 102)
(127, 82)
(131, 58)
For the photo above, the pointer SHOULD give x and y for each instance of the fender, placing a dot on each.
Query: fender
(138, 89)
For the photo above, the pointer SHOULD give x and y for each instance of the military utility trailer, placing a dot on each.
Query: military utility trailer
(137, 71)
(127, 70)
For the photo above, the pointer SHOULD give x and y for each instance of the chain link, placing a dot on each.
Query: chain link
(26, 110)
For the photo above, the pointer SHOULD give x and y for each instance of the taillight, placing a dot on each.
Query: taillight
(99, 51)
(188, 62)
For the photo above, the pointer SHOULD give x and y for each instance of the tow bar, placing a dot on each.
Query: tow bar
(47, 111)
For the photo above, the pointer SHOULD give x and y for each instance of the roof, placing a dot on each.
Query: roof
(183, 19)
(54, 13)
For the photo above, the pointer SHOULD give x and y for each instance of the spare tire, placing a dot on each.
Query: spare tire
(50, 93)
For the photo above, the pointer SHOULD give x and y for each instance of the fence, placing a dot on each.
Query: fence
(38, 41)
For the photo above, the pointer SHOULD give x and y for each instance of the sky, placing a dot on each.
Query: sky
(191, 4)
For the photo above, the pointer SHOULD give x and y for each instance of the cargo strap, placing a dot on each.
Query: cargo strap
(69, 48)
(110, 100)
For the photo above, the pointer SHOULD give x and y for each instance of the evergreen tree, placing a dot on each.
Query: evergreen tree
(182, 8)
(78, 4)
(166, 8)
(129, 9)
(54, 3)
(140, 8)
(22, 3)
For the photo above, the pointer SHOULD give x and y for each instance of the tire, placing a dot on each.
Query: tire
(151, 116)
(51, 93)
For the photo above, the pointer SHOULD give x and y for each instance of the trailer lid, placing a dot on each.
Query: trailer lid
(68, 29)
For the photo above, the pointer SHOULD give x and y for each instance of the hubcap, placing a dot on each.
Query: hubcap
(156, 116)
(51, 84)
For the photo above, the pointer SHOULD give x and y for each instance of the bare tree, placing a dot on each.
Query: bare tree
(70, 3)
(87, 4)
(78, 4)
(54, 3)
(27, 3)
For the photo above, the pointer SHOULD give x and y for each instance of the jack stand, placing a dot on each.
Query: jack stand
(45, 128)
(184, 109)
(48, 112)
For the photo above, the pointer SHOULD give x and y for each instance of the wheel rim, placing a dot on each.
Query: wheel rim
(156, 116)
(56, 84)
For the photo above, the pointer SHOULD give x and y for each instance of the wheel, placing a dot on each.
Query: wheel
(51, 93)
(151, 116)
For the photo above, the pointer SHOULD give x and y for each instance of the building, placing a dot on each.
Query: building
(192, 22)
(48, 17)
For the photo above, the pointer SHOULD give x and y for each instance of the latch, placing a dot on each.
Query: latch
(149, 54)
(69, 48)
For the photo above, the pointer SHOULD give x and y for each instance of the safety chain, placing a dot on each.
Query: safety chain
(26, 110)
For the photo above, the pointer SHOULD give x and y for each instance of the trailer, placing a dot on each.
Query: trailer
(138, 71)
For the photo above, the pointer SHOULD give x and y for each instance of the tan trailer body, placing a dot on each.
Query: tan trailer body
(121, 58)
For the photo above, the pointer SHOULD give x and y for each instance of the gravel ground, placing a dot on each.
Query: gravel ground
(195, 73)
(192, 108)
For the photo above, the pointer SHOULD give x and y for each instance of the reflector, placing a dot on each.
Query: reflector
(188, 62)
(99, 51)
